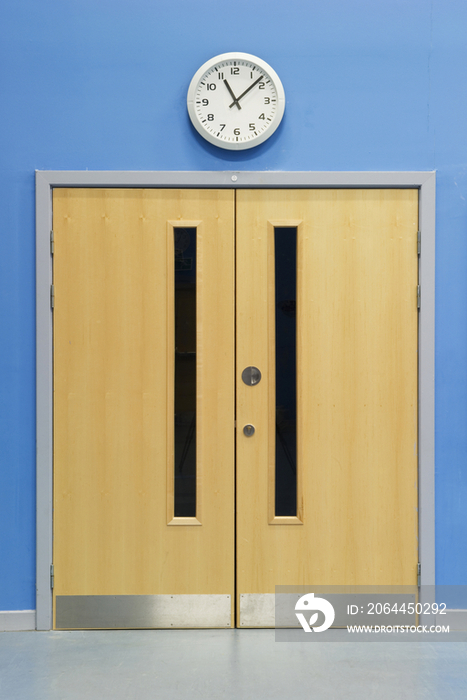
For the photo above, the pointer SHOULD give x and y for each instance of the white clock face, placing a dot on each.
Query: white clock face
(236, 101)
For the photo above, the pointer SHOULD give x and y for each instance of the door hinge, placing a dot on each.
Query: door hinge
(418, 296)
(52, 247)
(51, 576)
(52, 296)
(419, 574)
(419, 242)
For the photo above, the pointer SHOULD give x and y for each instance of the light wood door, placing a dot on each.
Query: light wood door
(355, 521)
(115, 534)
(122, 557)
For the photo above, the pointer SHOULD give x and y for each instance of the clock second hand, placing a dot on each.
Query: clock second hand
(237, 99)
(235, 102)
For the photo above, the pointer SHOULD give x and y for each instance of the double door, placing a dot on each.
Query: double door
(235, 400)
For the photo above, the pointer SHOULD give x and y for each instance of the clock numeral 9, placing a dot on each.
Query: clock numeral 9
(205, 102)
(211, 86)
(237, 131)
(210, 117)
(261, 86)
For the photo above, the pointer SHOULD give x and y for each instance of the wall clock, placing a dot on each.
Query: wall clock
(236, 101)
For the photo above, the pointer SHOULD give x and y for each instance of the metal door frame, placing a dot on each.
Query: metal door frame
(47, 180)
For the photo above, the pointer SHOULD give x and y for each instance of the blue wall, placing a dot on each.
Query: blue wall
(101, 84)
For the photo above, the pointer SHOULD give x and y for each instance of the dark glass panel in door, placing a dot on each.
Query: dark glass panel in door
(185, 372)
(285, 247)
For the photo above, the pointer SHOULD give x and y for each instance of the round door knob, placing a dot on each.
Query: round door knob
(251, 376)
(249, 430)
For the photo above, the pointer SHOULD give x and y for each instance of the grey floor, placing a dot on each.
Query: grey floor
(192, 664)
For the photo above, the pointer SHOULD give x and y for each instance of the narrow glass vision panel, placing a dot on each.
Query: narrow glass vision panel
(185, 373)
(285, 265)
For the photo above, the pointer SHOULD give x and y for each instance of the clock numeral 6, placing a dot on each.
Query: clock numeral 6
(237, 131)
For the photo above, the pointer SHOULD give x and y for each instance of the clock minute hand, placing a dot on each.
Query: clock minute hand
(261, 77)
(235, 102)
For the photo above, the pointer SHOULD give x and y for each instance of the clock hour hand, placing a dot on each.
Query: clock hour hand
(237, 99)
(235, 102)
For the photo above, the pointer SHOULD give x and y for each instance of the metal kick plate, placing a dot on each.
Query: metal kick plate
(257, 610)
(278, 610)
(268, 610)
(142, 611)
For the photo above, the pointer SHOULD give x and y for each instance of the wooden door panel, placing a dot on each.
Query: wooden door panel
(357, 272)
(113, 394)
